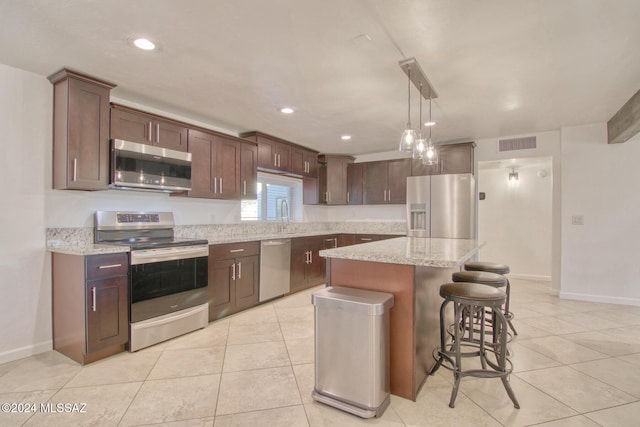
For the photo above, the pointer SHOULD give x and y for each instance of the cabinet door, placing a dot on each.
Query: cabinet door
(456, 158)
(374, 183)
(354, 183)
(169, 135)
(311, 159)
(107, 313)
(336, 176)
(420, 169)
(298, 165)
(346, 239)
(130, 126)
(309, 191)
(201, 146)
(284, 157)
(87, 138)
(317, 264)
(221, 291)
(299, 263)
(397, 173)
(248, 171)
(247, 280)
(267, 153)
(228, 169)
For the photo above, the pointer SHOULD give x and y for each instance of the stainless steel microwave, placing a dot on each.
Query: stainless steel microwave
(146, 167)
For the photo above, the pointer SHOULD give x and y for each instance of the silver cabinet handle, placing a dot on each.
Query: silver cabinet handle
(389, 196)
(102, 267)
(233, 271)
(335, 242)
(236, 250)
(149, 131)
(275, 159)
(278, 160)
(93, 298)
(366, 239)
(306, 261)
(75, 169)
(347, 197)
(310, 257)
(215, 185)
(220, 185)
(157, 133)
(244, 188)
(239, 270)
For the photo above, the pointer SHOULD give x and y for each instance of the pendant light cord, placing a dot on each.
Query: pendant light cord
(409, 97)
(420, 128)
(430, 120)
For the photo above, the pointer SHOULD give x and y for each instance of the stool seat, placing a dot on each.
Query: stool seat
(491, 267)
(482, 277)
(472, 293)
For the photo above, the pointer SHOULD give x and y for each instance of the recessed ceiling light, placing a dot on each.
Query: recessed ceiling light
(430, 124)
(144, 44)
(286, 110)
(345, 137)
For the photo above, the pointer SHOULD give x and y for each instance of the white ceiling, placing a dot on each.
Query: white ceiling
(500, 67)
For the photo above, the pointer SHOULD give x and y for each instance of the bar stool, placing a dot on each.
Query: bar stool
(496, 268)
(473, 299)
(483, 278)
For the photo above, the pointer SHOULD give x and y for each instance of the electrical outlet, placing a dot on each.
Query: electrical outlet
(577, 220)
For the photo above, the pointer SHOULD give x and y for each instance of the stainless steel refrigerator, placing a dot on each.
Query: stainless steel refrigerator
(442, 206)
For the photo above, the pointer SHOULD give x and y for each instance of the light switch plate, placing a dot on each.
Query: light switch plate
(577, 220)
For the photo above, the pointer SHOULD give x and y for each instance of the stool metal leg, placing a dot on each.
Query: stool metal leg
(502, 358)
(507, 311)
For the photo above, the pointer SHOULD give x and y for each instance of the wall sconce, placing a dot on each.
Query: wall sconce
(513, 176)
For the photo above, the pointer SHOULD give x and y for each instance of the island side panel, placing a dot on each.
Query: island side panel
(427, 316)
(398, 280)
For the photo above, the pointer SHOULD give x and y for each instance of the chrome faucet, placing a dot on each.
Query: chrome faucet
(284, 204)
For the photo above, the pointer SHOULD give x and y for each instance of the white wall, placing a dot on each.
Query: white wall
(600, 182)
(548, 145)
(515, 218)
(25, 170)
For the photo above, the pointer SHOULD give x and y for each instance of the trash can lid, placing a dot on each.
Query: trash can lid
(356, 300)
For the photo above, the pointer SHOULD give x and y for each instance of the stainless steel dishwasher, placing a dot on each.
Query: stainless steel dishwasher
(275, 265)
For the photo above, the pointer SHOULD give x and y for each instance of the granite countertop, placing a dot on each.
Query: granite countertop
(447, 253)
(79, 241)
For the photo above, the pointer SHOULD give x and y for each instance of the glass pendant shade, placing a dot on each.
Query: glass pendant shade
(408, 138)
(419, 147)
(430, 156)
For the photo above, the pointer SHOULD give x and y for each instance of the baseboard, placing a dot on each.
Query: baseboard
(600, 298)
(26, 351)
(530, 277)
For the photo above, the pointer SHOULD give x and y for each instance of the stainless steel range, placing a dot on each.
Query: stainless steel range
(168, 276)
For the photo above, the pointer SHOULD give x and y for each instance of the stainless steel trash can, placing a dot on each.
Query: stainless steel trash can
(352, 350)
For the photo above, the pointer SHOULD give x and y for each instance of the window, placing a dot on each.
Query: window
(279, 199)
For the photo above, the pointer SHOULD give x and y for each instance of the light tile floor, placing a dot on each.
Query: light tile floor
(575, 364)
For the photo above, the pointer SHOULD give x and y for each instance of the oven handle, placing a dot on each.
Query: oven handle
(148, 256)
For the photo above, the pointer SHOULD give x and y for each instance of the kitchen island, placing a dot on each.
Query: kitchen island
(412, 269)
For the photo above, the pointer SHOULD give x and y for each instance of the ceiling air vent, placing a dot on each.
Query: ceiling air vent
(512, 144)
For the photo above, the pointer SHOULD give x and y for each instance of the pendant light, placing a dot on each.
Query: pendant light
(420, 145)
(430, 156)
(409, 135)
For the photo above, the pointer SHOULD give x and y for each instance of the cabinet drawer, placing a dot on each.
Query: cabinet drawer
(103, 266)
(233, 250)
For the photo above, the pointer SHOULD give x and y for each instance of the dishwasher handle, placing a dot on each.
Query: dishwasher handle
(275, 242)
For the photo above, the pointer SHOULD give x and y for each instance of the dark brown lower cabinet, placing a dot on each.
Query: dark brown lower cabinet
(307, 266)
(234, 278)
(90, 305)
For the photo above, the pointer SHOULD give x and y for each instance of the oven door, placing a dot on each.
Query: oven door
(166, 280)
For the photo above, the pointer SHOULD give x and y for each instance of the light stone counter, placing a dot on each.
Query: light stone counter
(418, 251)
(80, 241)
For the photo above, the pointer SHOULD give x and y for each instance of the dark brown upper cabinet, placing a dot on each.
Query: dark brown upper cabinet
(144, 128)
(453, 158)
(273, 154)
(332, 178)
(215, 168)
(385, 182)
(304, 162)
(80, 131)
(248, 171)
(354, 183)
